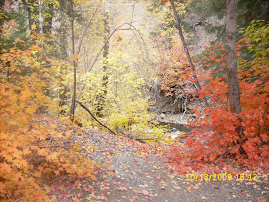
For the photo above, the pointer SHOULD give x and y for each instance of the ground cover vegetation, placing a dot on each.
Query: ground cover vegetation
(68, 64)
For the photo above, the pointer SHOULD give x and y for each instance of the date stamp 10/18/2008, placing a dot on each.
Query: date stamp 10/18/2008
(221, 177)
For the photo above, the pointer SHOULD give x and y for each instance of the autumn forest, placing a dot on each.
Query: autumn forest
(134, 100)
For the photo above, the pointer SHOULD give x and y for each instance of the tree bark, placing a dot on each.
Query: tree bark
(73, 105)
(186, 49)
(232, 73)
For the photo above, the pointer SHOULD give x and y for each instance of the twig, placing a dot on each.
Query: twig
(222, 156)
(45, 146)
(185, 107)
(225, 154)
(176, 99)
(87, 26)
(8, 197)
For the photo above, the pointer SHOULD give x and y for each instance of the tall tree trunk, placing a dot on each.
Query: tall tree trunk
(2, 22)
(30, 21)
(40, 17)
(47, 21)
(63, 71)
(186, 49)
(2, 19)
(102, 97)
(232, 73)
(73, 105)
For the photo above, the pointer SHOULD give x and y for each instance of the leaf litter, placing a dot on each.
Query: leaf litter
(133, 171)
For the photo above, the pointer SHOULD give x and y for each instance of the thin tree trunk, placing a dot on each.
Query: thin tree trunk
(102, 96)
(72, 112)
(2, 20)
(185, 45)
(40, 18)
(63, 91)
(232, 73)
(47, 21)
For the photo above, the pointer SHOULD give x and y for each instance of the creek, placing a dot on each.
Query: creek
(175, 129)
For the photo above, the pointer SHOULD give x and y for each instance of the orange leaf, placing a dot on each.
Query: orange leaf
(5, 168)
(133, 198)
(75, 57)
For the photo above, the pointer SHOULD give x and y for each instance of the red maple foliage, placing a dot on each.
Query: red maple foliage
(218, 136)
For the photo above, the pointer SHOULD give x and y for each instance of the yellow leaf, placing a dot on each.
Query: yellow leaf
(26, 151)
(9, 158)
(20, 163)
(26, 94)
(42, 152)
(30, 110)
(54, 156)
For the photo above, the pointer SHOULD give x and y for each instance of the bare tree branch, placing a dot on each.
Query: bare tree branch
(88, 25)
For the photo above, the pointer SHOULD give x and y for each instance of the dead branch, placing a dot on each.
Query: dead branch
(84, 107)
(8, 197)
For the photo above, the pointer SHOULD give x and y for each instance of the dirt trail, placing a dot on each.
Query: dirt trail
(136, 176)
